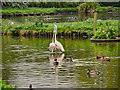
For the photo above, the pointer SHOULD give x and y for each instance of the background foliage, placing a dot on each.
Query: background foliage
(52, 4)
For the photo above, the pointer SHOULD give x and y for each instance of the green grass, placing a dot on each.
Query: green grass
(105, 9)
(37, 10)
(34, 10)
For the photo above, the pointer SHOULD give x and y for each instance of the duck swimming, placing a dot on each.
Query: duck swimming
(30, 87)
(98, 56)
(93, 73)
(67, 59)
(105, 59)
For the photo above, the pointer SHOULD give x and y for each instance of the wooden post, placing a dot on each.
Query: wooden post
(95, 22)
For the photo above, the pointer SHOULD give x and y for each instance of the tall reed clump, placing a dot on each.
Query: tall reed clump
(88, 7)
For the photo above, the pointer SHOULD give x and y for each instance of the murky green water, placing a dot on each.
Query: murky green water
(28, 61)
(63, 17)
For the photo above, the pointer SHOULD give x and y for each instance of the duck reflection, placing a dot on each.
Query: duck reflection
(103, 62)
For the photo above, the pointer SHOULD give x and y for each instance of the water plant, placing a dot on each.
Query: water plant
(108, 32)
(4, 86)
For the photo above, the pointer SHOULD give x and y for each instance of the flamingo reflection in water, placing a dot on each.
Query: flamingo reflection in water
(55, 62)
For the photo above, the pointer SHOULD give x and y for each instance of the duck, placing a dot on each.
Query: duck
(55, 62)
(93, 73)
(105, 59)
(98, 56)
(30, 87)
(67, 59)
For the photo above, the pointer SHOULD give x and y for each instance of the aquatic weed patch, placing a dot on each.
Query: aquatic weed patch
(106, 30)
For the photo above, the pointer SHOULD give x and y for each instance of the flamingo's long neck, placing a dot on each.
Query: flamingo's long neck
(55, 36)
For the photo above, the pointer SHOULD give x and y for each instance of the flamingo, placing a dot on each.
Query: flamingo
(58, 44)
(52, 45)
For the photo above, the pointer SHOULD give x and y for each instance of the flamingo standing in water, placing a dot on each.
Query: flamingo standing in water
(58, 44)
(55, 44)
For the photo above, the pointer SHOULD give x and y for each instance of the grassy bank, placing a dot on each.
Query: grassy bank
(37, 10)
(34, 10)
(108, 9)
(38, 28)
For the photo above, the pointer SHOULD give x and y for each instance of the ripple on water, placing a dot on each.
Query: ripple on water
(33, 64)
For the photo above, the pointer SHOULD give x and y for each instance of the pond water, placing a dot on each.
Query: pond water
(63, 17)
(28, 61)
